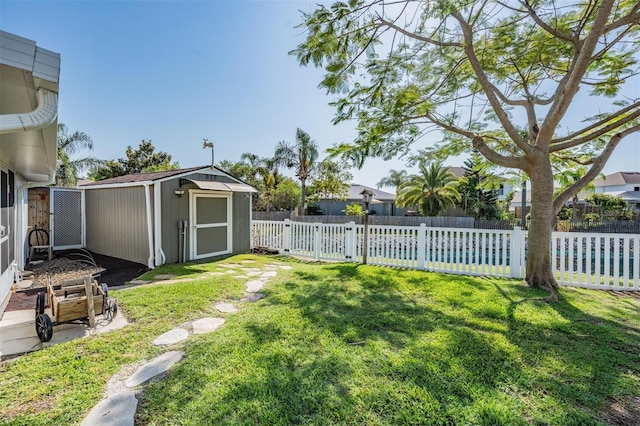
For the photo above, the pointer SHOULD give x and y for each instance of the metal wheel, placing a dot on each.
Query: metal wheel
(44, 327)
(105, 289)
(110, 308)
(40, 303)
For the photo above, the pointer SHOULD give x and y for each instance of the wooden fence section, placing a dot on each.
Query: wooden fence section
(603, 261)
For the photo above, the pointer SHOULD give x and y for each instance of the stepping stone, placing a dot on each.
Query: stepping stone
(213, 274)
(255, 285)
(137, 282)
(231, 272)
(116, 410)
(229, 265)
(225, 307)
(254, 273)
(287, 267)
(271, 268)
(164, 277)
(248, 261)
(171, 337)
(269, 274)
(207, 325)
(157, 366)
(252, 297)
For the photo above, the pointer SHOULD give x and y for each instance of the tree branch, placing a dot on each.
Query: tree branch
(569, 86)
(487, 86)
(553, 31)
(595, 169)
(574, 139)
(429, 40)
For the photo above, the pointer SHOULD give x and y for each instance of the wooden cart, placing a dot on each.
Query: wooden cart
(69, 302)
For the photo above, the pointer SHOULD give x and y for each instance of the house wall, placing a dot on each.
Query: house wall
(117, 222)
(616, 188)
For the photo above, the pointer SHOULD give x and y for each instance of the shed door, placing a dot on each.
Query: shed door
(67, 218)
(210, 229)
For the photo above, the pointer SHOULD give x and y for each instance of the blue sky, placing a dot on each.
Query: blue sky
(178, 72)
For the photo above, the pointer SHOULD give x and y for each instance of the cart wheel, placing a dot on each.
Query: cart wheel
(44, 327)
(110, 308)
(105, 289)
(40, 303)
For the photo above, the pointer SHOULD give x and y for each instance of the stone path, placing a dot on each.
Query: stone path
(120, 403)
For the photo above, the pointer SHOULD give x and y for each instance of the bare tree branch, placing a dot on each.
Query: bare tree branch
(429, 40)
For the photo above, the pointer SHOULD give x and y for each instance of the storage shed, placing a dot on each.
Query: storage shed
(168, 217)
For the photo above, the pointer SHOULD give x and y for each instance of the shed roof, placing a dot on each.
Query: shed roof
(146, 177)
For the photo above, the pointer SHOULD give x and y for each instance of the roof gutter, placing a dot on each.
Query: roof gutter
(44, 115)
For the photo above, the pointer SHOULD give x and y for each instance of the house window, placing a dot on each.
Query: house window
(636, 188)
(501, 190)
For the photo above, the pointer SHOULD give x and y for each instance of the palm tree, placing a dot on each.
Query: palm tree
(395, 178)
(67, 169)
(432, 191)
(301, 156)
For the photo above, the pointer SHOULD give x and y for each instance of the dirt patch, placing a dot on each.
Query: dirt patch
(623, 412)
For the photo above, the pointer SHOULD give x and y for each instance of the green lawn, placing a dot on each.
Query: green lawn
(353, 344)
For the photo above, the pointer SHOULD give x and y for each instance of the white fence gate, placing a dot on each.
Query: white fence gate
(603, 261)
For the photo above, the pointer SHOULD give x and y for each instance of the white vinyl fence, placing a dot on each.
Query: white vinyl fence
(603, 261)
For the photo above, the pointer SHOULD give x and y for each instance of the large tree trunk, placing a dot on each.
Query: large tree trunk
(543, 218)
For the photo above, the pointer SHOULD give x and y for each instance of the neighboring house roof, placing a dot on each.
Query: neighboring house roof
(356, 189)
(618, 178)
(456, 171)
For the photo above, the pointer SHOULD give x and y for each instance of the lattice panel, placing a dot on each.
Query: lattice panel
(67, 218)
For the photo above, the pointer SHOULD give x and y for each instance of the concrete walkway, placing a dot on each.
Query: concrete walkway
(120, 404)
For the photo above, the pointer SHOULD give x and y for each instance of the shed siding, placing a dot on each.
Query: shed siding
(117, 223)
(241, 222)
(173, 209)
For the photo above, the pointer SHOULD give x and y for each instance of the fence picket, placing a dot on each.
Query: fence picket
(605, 261)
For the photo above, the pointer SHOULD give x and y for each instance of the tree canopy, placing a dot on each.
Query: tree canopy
(144, 159)
(68, 145)
(302, 156)
(431, 191)
(501, 77)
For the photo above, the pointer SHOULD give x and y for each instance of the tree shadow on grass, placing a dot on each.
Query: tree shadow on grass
(588, 359)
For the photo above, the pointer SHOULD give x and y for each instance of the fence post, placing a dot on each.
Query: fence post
(422, 239)
(286, 237)
(350, 243)
(317, 239)
(516, 262)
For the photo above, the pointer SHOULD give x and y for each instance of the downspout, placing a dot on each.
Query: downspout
(41, 117)
(147, 197)
(157, 207)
